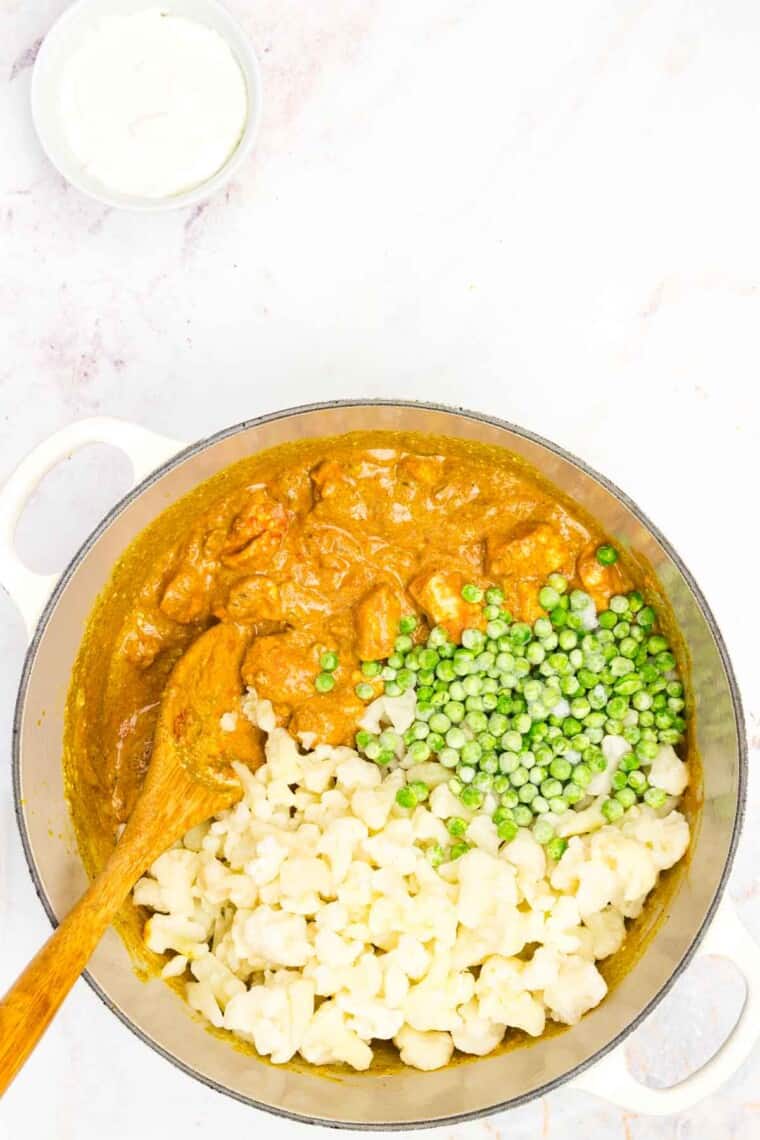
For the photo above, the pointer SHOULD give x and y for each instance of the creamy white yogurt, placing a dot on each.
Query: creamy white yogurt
(152, 104)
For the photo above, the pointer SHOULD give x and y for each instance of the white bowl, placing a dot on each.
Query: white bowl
(64, 38)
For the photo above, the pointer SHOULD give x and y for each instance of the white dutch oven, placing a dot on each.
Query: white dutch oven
(589, 1056)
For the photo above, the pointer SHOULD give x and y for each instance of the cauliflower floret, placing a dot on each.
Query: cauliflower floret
(319, 771)
(429, 880)
(355, 773)
(430, 772)
(485, 885)
(607, 929)
(527, 856)
(276, 937)
(338, 844)
(387, 920)
(598, 885)
(370, 1017)
(505, 932)
(668, 771)
(175, 967)
(482, 834)
(164, 932)
(581, 822)
(305, 875)
(328, 980)
(606, 867)
(218, 884)
(193, 839)
(578, 988)
(396, 711)
(332, 916)
(393, 847)
(564, 875)
(333, 950)
(169, 886)
(259, 712)
(444, 804)
(423, 1050)
(666, 838)
(542, 970)
(270, 855)
(427, 827)
(389, 881)
(274, 1016)
(562, 928)
(503, 998)
(222, 982)
(365, 979)
(328, 1040)
(355, 892)
(517, 1009)
(631, 862)
(614, 749)
(395, 982)
(400, 711)
(201, 998)
(432, 1003)
(147, 892)
(303, 799)
(476, 1034)
(284, 759)
(412, 956)
(280, 794)
(374, 805)
(332, 805)
(432, 916)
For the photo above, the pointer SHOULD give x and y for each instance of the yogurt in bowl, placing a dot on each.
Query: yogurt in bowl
(146, 107)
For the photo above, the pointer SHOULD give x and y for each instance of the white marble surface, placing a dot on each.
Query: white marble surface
(547, 211)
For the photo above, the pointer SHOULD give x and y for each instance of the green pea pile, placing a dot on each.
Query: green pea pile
(518, 712)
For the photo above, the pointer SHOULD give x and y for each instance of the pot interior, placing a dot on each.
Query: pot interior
(406, 1097)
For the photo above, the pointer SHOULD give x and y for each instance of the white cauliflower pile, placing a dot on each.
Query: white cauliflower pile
(313, 922)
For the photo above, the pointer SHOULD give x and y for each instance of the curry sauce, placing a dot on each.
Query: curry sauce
(316, 546)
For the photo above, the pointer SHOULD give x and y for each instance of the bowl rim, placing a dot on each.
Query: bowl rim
(742, 750)
(243, 52)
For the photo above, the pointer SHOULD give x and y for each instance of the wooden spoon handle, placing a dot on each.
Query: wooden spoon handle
(30, 1004)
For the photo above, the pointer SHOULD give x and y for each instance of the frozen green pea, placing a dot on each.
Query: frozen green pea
(556, 848)
(405, 797)
(612, 810)
(543, 832)
(523, 815)
(507, 830)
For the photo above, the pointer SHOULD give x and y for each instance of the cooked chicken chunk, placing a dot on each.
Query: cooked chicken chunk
(439, 595)
(282, 666)
(530, 550)
(376, 619)
(187, 595)
(331, 717)
(600, 582)
(255, 598)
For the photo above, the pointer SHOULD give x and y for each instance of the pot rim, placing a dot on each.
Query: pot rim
(736, 702)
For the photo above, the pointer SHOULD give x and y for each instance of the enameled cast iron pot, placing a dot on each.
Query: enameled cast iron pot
(589, 1055)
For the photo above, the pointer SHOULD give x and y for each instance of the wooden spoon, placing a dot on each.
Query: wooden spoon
(189, 780)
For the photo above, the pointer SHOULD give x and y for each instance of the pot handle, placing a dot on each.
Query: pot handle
(146, 450)
(610, 1078)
